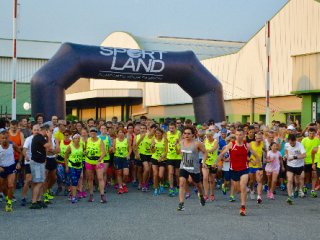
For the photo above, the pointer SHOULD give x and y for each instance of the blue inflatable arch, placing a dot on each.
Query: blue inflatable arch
(73, 61)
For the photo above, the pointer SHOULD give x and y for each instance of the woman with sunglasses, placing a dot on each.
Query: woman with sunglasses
(95, 152)
(209, 168)
(73, 162)
(62, 177)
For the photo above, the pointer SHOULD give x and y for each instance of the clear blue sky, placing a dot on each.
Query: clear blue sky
(90, 21)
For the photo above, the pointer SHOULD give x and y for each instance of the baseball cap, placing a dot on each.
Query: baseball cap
(223, 130)
(93, 129)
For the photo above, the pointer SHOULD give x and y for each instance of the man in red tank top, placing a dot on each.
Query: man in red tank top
(239, 169)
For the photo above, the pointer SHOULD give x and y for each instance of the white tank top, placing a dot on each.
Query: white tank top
(6, 156)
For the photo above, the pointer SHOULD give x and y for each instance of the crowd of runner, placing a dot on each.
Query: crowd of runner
(176, 158)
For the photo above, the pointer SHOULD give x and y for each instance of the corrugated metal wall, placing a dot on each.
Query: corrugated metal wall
(25, 69)
(294, 30)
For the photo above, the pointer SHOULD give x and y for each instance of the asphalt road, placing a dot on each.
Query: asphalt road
(138, 215)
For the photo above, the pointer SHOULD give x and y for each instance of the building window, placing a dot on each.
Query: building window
(293, 117)
(262, 118)
(245, 118)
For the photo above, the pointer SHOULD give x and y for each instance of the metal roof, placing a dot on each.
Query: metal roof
(203, 48)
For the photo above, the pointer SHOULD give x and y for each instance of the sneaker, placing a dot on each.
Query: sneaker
(202, 201)
(120, 191)
(223, 189)
(290, 200)
(232, 199)
(301, 194)
(135, 183)
(58, 191)
(176, 191)
(42, 204)
(8, 207)
(252, 195)
(195, 190)
(296, 193)
(205, 197)
(180, 207)
(271, 196)
(243, 211)
(74, 200)
(91, 198)
(155, 192)
(84, 194)
(212, 198)
(188, 195)
(125, 189)
(265, 187)
(47, 201)
(70, 197)
(282, 187)
(314, 194)
(14, 199)
(35, 206)
(103, 199)
(268, 194)
(23, 202)
(116, 186)
(79, 195)
(161, 189)
(259, 199)
(171, 192)
(166, 185)
(48, 196)
(305, 190)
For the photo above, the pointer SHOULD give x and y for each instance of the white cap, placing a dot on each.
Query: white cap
(290, 127)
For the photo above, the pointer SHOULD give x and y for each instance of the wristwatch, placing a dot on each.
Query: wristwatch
(295, 157)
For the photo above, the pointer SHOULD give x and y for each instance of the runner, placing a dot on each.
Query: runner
(8, 167)
(73, 162)
(158, 159)
(294, 155)
(82, 180)
(209, 168)
(95, 153)
(226, 166)
(122, 151)
(27, 157)
(173, 159)
(255, 167)
(309, 143)
(239, 166)
(189, 149)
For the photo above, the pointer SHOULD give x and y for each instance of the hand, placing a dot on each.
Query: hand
(214, 165)
(253, 161)
(128, 157)
(204, 165)
(1, 169)
(111, 149)
(137, 157)
(18, 166)
(313, 167)
(67, 169)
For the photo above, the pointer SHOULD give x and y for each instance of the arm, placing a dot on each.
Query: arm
(214, 148)
(253, 153)
(152, 146)
(313, 154)
(103, 152)
(66, 158)
(165, 149)
(177, 146)
(129, 148)
(224, 151)
(18, 149)
(201, 148)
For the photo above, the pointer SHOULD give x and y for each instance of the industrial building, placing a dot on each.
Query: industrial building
(241, 68)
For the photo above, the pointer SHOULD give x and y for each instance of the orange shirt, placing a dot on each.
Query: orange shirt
(17, 140)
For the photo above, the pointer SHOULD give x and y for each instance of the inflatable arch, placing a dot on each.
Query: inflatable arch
(73, 61)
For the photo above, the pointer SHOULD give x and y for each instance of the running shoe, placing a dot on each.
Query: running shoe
(232, 199)
(116, 186)
(23, 202)
(301, 194)
(155, 192)
(259, 199)
(202, 201)
(84, 194)
(176, 191)
(195, 190)
(79, 195)
(243, 211)
(8, 207)
(296, 193)
(212, 198)
(268, 194)
(305, 190)
(290, 200)
(70, 197)
(282, 187)
(171, 192)
(161, 189)
(125, 189)
(91, 198)
(166, 185)
(35, 206)
(271, 196)
(48, 196)
(103, 198)
(180, 207)
(14, 199)
(223, 189)
(314, 194)
(120, 191)
(42, 204)
(205, 198)
(265, 187)
(74, 200)
(188, 195)
(252, 195)
(58, 191)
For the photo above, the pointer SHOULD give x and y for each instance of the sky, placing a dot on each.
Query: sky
(91, 21)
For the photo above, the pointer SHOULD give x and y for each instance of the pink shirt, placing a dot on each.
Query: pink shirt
(275, 164)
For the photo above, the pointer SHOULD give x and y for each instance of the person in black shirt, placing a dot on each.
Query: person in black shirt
(41, 143)
(251, 134)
